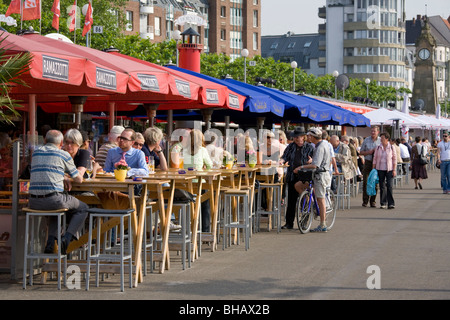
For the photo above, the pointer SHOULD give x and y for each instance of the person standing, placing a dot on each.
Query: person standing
(367, 150)
(385, 162)
(322, 179)
(443, 160)
(49, 166)
(296, 154)
(404, 154)
(418, 170)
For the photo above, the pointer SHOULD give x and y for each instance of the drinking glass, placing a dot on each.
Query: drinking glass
(151, 164)
(89, 168)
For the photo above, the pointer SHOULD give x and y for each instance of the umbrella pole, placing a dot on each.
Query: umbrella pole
(112, 106)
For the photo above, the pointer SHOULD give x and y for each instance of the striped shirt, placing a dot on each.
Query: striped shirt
(100, 157)
(48, 166)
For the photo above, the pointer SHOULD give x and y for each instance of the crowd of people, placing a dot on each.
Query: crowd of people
(69, 155)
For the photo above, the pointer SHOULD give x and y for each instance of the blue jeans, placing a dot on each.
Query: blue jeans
(445, 175)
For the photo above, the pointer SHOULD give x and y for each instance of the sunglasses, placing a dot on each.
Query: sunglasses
(445, 136)
(125, 139)
(137, 144)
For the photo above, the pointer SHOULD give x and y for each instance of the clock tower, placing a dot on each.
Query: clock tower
(425, 73)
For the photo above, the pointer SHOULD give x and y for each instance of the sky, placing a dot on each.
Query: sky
(301, 16)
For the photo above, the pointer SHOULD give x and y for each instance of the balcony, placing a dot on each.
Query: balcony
(323, 12)
(322, 28)
(147, 32)
(146, 7)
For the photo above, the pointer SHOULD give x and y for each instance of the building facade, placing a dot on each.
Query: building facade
(365, 39)
(301, 48)
(225, 26)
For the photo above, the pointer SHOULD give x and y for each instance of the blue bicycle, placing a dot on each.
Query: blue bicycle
(307, 208)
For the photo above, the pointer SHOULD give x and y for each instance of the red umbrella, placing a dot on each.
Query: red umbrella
(211, 94)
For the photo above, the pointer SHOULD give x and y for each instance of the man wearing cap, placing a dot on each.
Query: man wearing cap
(367, 150)
(443, 160)
(113, 135)
(296, 154)
(321, 163)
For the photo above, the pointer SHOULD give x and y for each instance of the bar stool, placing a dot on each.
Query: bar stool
(182, 238)
(100, 213)
(31, 254)
(275, 189)
(343, 191)
(148, 238)
(242, 216)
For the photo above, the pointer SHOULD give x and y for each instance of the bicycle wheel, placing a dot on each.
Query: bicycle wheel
(331, 208)
(304, 210)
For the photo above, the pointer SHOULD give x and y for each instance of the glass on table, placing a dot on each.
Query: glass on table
(89, 168)
(151, 164)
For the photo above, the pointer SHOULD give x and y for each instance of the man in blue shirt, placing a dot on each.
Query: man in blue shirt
(134, 158)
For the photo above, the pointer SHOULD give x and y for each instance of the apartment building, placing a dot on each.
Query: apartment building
(225, 26)
(365, 39)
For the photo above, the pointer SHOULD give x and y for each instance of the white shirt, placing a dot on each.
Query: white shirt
(444, 148)
(404, 153)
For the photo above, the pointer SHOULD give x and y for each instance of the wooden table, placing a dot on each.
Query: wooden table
(138, 217)
(208, 180)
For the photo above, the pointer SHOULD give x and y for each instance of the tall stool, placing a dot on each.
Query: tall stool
(147, 245)
(275, 189)
(242, 216)
(30, 254)
(100, 213)
(182, 238)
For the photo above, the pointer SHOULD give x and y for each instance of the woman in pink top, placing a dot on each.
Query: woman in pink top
(385, 161)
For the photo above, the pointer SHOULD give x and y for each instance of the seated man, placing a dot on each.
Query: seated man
(134, 158)
(47, 179)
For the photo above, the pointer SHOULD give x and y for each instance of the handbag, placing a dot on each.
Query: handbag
(423, 160)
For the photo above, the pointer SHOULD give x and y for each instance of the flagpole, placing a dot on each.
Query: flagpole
(75, 28)
(21, 15)
(40, 17)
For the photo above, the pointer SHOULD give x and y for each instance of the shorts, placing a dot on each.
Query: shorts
(321, 182)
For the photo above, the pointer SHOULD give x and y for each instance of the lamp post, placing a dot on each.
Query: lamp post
(397, 88)
(176, 34)
(293, 66)
(244, 53)
(335, 75)
(367, 81)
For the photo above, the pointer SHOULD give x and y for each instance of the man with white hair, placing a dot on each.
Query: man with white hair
(113, 136)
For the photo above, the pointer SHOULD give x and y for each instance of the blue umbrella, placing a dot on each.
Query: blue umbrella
(256, 101)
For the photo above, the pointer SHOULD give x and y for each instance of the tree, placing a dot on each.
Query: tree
(11, 68)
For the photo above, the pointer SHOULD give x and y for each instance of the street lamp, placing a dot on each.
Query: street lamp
(367, 81)
(293, 66)
(244, 53)
(176, 34)
(335, 75)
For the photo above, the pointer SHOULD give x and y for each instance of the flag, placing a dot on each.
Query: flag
(56, 13)
(73, 16)
(14, 7)
(89, 20)
(31, 10)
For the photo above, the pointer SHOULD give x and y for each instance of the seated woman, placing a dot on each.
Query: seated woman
(73, 140)
(196, 156)
(152, 147)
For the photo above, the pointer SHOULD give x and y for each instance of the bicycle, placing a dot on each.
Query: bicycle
(307, 208)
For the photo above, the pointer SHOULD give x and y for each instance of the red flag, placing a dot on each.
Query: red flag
(56, 13)
(73, 15)
(14, 7)
(31, 10)
(89, 20)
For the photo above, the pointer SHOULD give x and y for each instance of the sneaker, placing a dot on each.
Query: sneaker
(391, 207)
(383, 206)
(174, 227)
(364, 204)
(287, 226)
(320, 229)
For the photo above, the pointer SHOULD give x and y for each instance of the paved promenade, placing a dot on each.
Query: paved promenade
(408, 248)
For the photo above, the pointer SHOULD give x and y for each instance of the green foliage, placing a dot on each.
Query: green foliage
(11, 68)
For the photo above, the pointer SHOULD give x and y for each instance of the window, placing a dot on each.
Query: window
(307, 44)
(223, 34)
(291, 45)
(129, 17)
(274, 45)
(157, 26)
(236, 16)
(223, 11)
(255, 18)
(255, 41)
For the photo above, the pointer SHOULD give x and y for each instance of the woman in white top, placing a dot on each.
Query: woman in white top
(196, 156)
